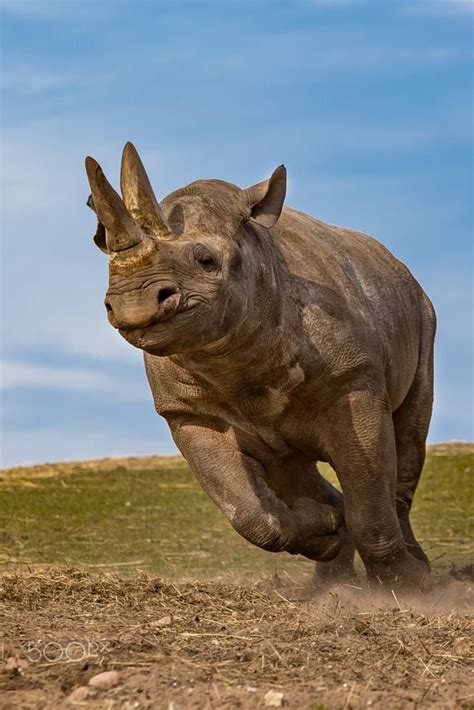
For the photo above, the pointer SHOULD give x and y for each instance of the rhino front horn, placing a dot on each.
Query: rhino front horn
(121, 231)
(139, 197)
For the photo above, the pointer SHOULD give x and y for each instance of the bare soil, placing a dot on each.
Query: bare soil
(214, 645)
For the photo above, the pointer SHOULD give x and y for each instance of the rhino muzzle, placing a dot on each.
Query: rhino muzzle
(127, 313)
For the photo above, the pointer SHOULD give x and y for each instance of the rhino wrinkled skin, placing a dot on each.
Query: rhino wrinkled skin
(273, 341)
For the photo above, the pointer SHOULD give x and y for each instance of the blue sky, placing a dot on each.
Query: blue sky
(369, 105)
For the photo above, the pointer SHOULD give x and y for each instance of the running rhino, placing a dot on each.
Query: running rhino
(274, 341)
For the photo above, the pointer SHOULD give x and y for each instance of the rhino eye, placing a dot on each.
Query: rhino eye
(205, 260)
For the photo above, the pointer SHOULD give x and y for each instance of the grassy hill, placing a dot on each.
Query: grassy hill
(150, 513)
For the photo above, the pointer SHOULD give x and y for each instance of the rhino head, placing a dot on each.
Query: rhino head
(183, 273)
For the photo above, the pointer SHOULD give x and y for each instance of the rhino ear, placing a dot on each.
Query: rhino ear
(99, 236)
(266, 198)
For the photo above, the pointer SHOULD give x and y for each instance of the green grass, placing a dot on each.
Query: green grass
(160, 520)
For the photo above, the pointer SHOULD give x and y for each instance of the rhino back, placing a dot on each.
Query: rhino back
(363, 285)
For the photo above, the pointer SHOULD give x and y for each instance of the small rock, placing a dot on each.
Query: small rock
(164, 621)
(251, 689)
(79, 694)
(13, 663)
(105, 680)
(462, 646)
(273, 699)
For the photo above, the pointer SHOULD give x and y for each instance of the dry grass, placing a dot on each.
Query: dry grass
(208, 644)
(224, 641)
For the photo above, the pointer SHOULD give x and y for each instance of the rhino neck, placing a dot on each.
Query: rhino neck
(257, 351)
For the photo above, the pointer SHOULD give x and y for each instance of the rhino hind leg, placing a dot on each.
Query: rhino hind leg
(300, 484)
(411, 422)
(341, 568)
(360, 442)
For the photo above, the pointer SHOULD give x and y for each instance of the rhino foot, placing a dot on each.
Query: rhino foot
(320, 530)
(409, 574)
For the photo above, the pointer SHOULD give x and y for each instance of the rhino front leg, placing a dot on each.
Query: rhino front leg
(236, 483)
(360, 443)
(340, 568)
(294, 480)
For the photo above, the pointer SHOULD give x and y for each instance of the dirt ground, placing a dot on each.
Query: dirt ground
(214, 645)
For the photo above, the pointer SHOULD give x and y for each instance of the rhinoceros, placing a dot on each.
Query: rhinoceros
(273, 341)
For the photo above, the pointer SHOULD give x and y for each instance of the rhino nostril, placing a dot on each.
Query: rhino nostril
(108, 307)
(164, 294)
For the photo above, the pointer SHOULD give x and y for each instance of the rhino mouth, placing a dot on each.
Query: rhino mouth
(173, 309)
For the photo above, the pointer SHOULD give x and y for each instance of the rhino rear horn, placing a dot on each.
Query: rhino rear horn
(121, 231)
(99, 236)
(139, 197)
(266, 198)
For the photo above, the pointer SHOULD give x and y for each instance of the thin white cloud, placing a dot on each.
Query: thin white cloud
(28, 79)
(425, 7)
(439, 8)
(375, 58)
(30, 170)
(47, 10)
(19, 374)
(43, 169)
(335, 4)
(36, 9)
(15, 374)
(299, 54)
(45, 444)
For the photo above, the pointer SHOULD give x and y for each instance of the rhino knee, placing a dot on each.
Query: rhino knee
(263, 530)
